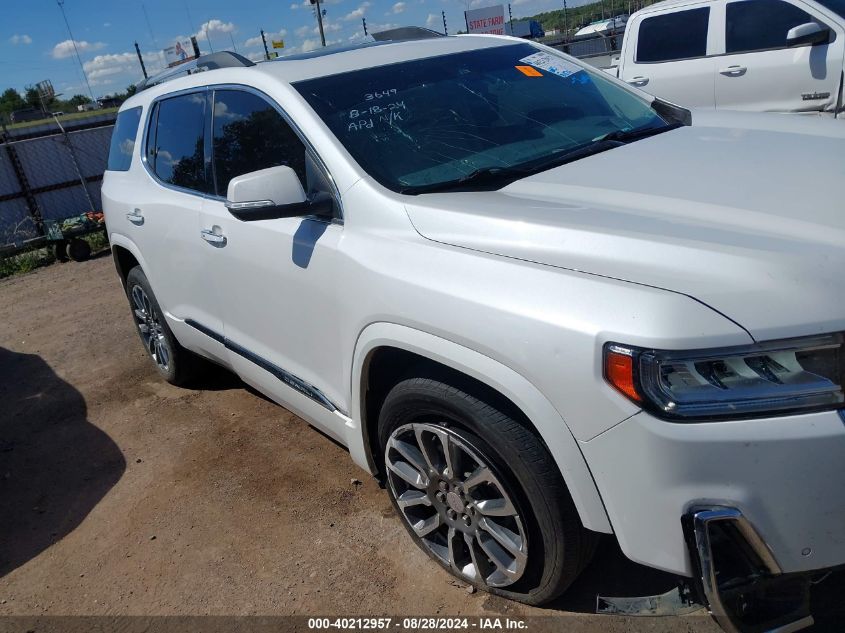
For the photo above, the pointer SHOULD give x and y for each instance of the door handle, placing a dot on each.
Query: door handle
(733, 71)
(136, 217)
(638, 81)
(213, 237)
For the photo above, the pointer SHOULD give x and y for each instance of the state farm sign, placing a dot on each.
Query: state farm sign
(489, 20)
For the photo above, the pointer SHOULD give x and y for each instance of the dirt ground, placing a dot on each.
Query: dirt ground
(123, 495)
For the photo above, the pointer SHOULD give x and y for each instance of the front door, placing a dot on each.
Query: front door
(758, 72)
(276, 279)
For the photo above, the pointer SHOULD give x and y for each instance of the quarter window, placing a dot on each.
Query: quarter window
(754, 25)
(176, 149)
(123, 139)
(250, 134)
(672, 36)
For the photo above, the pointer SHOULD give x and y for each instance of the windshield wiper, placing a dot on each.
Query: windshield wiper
(483, 179)
(628, 136)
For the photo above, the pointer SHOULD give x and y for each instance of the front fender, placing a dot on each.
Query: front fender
(510, 384)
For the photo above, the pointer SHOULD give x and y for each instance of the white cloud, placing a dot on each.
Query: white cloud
(65, 49)
(213, 27)
(305, 4)
(104, 69)
(434, 20)
(357, 14)
(376, 28)
(399, 7)
(302, 31)
(23, 38)
(107, 24)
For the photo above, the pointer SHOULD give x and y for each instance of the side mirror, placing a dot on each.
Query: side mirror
(272, 193)
(809, 33)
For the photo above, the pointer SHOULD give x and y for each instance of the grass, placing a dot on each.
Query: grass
(62, 118)
(37, 258)
(26, 262)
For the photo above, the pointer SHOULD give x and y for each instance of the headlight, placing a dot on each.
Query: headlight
(756, 380)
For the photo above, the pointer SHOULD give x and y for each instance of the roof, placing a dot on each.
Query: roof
(327, 61)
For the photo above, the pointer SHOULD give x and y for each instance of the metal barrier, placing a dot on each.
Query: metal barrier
(50, 172)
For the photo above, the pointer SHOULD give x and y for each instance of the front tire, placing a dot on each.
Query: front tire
(174, 363)
(479, 492)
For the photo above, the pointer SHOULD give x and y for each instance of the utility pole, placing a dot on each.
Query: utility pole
(208, 39)
(445, 30)
(320, 21)
(510, 17)
(141, 60)
(61, 4)
(364, 21)
(565, 23)
(266, 52)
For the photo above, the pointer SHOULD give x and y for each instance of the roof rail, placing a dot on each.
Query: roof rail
(222, 59)
(405, 33)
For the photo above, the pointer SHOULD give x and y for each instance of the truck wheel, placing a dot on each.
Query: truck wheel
(78, 249)
(176, 365)
(60, 250)
(479, 492)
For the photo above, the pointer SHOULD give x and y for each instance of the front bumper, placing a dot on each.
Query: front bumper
(785, 475)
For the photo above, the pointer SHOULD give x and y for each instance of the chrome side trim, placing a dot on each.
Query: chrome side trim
(292, 381)
(250, 204)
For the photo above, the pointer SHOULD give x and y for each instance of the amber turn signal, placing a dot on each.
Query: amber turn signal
(619, 372)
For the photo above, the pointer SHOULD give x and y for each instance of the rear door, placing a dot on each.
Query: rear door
(176, 184)
(668, 55)
(759, 72)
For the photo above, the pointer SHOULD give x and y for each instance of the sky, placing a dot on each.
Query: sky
(35, 44)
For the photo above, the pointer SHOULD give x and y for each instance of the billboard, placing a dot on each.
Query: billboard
(182, 51)
(489, 20)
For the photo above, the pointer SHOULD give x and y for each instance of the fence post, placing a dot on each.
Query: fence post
(20, 174)
(76, 164)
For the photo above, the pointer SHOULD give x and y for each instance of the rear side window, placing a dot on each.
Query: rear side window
(755, 25)
(678, 35)
(123, 139)
(176, 146)
(250, 134)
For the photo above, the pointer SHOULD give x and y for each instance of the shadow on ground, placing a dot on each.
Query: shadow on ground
(55, 466)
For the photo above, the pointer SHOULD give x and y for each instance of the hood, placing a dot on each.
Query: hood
(749, 219)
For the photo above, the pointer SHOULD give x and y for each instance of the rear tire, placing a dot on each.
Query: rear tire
(174, 363)
(545, 546)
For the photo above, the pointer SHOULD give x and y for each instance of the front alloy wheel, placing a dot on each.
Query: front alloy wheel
(451, 498)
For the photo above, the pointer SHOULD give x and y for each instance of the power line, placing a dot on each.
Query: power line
(61, 4)
(149, 26)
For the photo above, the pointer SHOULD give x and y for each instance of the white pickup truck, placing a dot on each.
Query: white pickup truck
(761, 55)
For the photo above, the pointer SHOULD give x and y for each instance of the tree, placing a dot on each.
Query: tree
(77, 100)
(11, 100)
(32, 98)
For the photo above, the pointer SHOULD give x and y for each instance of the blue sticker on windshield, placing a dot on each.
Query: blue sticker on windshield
(552, 64)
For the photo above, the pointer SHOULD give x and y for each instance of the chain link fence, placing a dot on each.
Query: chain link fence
(50, 173)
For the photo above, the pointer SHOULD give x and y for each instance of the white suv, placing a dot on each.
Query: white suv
(539, 305)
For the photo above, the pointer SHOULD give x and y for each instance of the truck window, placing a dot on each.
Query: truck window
(673, 36)
(175, 147)
(249, 134)
(754, 25)
(123, 139)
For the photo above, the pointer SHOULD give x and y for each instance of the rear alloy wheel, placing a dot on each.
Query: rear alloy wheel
(450, 497)
(148, 322)
(176, 365)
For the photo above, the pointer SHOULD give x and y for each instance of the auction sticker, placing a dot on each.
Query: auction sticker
(551, 64)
